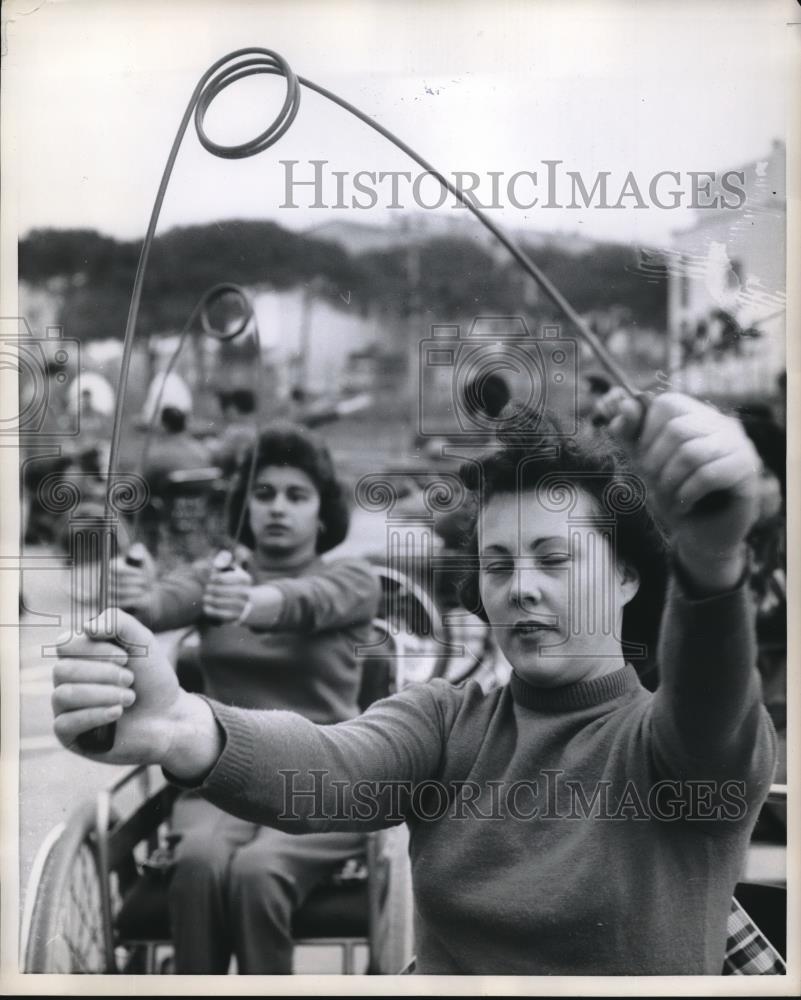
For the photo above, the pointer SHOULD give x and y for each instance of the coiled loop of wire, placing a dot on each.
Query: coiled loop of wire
(237, 66)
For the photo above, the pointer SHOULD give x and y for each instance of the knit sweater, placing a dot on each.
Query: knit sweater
(591, 829)
(306, 662)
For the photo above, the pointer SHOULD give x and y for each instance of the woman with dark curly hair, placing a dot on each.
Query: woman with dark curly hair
(278, 630)
(571, 822)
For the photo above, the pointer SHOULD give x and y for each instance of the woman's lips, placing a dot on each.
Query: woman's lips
(533, 629)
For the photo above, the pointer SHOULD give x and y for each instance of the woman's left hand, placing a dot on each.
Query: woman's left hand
(227, 594)
(685, 451)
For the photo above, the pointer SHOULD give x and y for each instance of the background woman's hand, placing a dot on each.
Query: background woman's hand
(227, 594)
(132, 585)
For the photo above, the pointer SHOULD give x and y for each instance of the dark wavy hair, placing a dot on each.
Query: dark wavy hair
(295, 447)
(552, 464)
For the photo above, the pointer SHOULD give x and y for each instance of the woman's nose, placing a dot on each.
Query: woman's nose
(526, 586)
(278, 504)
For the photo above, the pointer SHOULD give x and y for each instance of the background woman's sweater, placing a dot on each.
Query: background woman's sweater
(306, 662)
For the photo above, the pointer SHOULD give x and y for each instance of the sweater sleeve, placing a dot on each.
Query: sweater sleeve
(279, 769)
(175, 601)
(341, 594)
(708, 721)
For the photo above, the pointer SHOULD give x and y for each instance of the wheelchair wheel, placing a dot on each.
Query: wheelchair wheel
(414, 634)
(65, 932)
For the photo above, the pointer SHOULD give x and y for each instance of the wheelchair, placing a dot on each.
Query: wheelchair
(100, 892)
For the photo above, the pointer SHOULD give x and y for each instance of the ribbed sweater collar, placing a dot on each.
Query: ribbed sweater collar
(583, 694)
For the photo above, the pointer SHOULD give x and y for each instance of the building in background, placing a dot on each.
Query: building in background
(726, 289)
(309, 338)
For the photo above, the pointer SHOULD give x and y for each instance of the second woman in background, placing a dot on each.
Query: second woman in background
(279, 630)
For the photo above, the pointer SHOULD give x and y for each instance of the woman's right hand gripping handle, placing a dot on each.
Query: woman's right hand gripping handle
(97, 681)
(131, 578)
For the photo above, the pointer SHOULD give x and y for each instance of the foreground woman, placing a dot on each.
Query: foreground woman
(571, 822)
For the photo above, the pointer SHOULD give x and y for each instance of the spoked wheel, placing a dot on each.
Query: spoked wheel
(414, 635)
(65, 931)
(424, 643)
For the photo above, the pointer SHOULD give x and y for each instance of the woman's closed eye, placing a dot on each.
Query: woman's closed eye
(508, 565)
(553, 559)
(498, 566)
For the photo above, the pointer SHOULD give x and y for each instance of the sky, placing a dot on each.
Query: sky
(94, 91)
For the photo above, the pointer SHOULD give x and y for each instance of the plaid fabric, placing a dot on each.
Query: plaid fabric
(748, 951)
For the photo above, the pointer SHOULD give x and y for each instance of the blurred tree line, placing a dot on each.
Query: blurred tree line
(443, 277)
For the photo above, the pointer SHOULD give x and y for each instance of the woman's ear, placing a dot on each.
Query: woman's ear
(629, 580)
